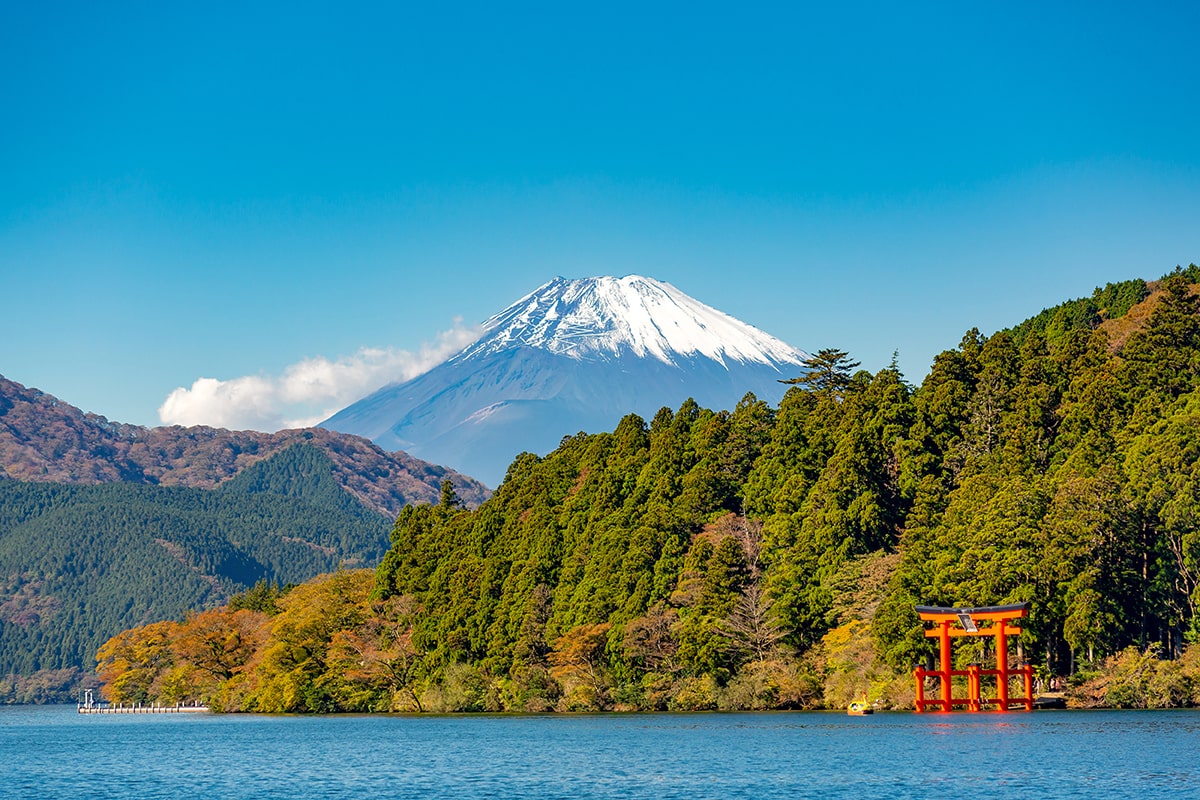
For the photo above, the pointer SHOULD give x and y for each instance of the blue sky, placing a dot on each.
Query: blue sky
(254, 193)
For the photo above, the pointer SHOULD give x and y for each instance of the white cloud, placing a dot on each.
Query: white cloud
(308, 391)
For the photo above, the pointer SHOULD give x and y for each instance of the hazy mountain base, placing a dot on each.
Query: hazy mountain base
(772, 557)
(476, 414)
(46, 686)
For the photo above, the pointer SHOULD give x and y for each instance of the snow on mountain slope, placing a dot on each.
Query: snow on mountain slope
(602, 317)
(574, 355)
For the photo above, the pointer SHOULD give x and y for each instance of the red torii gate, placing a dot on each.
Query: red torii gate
(955, 622)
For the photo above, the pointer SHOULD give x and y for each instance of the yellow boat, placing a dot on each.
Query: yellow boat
(860, 708)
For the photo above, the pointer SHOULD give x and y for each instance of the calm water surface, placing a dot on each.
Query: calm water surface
(55, 753)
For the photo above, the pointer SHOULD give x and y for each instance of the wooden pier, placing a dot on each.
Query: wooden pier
(105, 708)
(90, 706)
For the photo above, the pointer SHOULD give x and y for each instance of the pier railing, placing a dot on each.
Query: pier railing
(90, 706)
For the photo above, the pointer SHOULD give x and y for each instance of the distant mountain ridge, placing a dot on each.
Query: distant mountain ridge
(43, 438)
(574, 355)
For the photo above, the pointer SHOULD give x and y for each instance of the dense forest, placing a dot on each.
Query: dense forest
(769, 557)
(80, 563)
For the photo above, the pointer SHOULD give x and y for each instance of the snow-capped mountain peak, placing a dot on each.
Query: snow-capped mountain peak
(574, 355)
(602, 318)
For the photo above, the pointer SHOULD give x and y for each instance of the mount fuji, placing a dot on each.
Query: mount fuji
(574, 355)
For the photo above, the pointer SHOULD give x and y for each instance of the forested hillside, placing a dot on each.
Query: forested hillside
(80, 563)
(771, 557)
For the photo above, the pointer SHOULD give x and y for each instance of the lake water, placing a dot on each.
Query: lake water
(52, 752)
